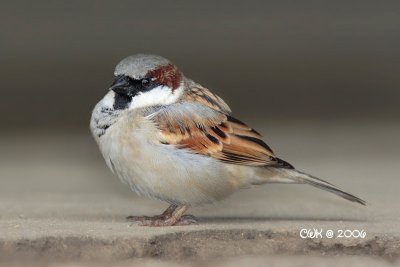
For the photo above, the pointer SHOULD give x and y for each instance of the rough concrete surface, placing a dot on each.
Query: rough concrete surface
(59, 203)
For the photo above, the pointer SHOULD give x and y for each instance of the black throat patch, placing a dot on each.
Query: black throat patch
(121, 101)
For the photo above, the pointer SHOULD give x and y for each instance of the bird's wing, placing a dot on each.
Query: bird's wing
(206, 97)
(207, 131)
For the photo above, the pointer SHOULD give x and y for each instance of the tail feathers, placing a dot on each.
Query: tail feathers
(302, 177)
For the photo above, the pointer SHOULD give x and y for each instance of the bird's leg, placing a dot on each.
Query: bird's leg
(166, 214)
(169, 218)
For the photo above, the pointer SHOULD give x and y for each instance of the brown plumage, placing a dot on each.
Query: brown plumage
(217, 135)
(201, 123)
(168, 75)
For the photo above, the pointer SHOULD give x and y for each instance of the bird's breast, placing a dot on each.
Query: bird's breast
(132, 151)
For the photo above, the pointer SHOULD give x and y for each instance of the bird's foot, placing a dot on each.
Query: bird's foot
(172, 216)
(187, 220)
(139, 219)
(172, 221)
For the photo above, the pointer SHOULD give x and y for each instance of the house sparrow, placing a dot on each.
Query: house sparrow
(171, 139)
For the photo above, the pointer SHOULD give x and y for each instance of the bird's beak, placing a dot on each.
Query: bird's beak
(121, 85)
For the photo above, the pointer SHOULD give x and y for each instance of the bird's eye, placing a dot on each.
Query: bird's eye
(145, 82)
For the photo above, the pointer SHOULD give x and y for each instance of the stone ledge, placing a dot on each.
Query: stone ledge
(195, 245)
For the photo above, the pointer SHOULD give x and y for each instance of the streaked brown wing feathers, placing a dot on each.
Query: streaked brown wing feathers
(212, 133)
(207, 98)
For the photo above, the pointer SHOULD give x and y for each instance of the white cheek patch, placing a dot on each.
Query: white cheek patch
(160, 95)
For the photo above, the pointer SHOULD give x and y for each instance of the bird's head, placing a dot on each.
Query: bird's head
(145, 80)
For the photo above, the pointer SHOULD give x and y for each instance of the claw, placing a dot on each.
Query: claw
(187, 220)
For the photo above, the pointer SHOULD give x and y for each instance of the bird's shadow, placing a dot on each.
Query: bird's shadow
(259, 219)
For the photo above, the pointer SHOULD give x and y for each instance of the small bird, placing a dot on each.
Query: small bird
(174, 140)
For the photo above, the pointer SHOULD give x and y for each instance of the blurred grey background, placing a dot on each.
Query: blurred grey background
(271, 60)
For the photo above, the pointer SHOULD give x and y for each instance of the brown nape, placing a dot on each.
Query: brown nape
(167, 75)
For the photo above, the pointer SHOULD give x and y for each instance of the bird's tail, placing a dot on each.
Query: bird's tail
(295, 176)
